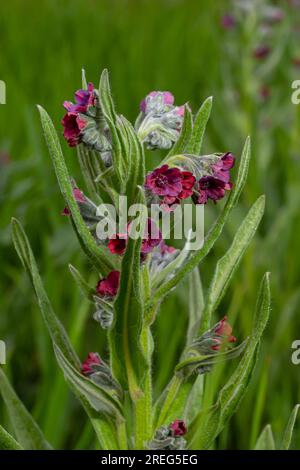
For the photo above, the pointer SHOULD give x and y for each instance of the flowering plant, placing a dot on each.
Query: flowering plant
(137, 273)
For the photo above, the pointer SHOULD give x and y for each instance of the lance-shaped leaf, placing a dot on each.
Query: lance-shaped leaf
(128, 360)
(97, 254)
(55, 328)
(265, 440)
(86, 390)
(136, 175)
(200, 122)
(209, 423)
(119, 144)
(228, 264)
(288, 433)
(25, 428)
(7, 442)
(212, 236)
(86, 290)
(185, 134)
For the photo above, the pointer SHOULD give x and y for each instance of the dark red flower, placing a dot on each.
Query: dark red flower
(222, 333)
(178, 428)
(78, 196)
(108, 287)
(164, 181)
(73, 126)
(188, 181)
(261, 52)
(117, 244)
(93, 359)
(152, 237)
(210, 187)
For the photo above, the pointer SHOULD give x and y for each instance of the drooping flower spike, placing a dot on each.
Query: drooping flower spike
(160, 122)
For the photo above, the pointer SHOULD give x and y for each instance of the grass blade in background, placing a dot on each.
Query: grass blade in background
(266, 439)
(26, 429)
(7, 442)
(228, 264)
(288, 433)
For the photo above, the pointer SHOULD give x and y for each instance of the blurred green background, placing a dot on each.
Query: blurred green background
(175, 45)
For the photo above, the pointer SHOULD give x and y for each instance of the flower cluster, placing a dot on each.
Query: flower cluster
(169, 437)
(160, 122)
(84, 123)
(152, 238)
(171, 184)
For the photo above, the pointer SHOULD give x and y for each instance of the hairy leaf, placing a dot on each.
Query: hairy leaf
(7, 442)
(209, 423)
(97, 254)
(200, 122)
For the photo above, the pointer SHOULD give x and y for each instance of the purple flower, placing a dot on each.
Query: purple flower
(165, 181)
(87, 367)
(228, 21)
(166, 249)
(222, 168)
(83, 98)
(157, 100)
(73, 127)
(210, 187)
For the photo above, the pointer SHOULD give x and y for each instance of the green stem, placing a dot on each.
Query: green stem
(143, 406)
(122, 435)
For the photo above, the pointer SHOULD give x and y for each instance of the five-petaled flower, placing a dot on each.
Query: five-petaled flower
(108, 287)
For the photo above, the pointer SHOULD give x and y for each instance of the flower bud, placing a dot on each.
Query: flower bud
(160, 122)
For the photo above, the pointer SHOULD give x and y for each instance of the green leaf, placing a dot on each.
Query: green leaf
(136, 175)
(7, 442)
(87, 291)
(119, 144)
(200, 122)
(228, 264)
(129, 364)
(97, 254)
(288, 433)
(193, 362)
(54, 326)
(185, 134)
(86, 390)
(26, 429)
(212, 236)
(266, 439)
(196, 303)
(209, 423)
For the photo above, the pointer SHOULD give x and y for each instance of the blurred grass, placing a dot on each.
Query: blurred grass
(172, 45)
